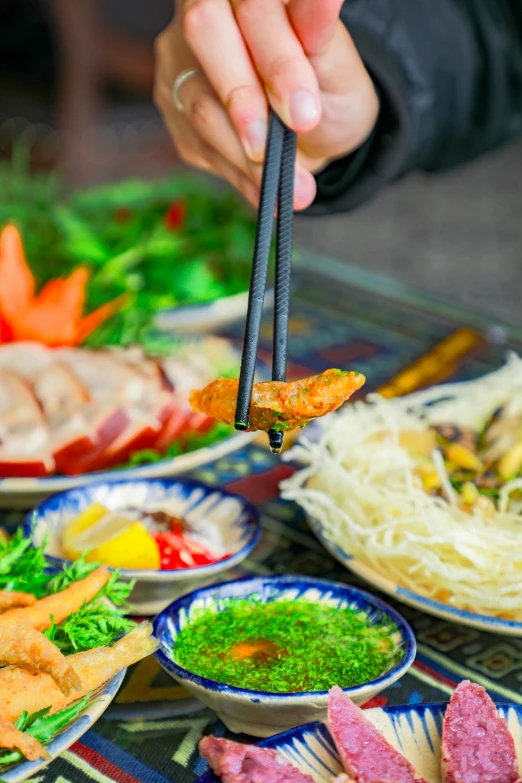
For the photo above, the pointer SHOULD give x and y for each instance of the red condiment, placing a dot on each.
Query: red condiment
(179, 551)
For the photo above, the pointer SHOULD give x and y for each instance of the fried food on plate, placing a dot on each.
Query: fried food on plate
(11, 599)
(60, 605)
(24, 646)
(277, 405)
(11, 738)
(22, 691)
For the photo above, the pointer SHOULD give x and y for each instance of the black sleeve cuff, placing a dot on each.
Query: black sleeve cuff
(350, 181)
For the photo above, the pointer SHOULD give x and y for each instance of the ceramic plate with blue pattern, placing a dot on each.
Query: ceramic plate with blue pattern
(219, 520)
(415, 730)
(99, 703)
(262, 713)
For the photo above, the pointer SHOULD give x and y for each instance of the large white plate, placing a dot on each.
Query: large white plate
(26, 492)
(482, 622)
(415, 730)
(209, 316)
(100, 701)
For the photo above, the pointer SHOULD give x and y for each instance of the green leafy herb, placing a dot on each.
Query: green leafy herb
(43, 727)
(22, 566)
(96, 624)
(286, 646)
(122, 234)
(196, 441)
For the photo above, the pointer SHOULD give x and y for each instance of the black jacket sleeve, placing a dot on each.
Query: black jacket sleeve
(449, 76)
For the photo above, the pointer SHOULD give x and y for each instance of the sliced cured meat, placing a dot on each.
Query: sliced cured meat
(176, 426)
(476, 744)
(141, 432)
(26, 454)
(182, 378)
(236, 763)
(79, 461)
(59, 392)
(25, 359)
(365, 754)
(88, 433)
(105, 378)
(19, 408)
(23, 466)
(201, 423)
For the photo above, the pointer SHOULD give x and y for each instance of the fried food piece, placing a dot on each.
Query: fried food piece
(21, 690)
(11, 599)
(61, 605)
(11, 738)
(23, 646)
(277, 405)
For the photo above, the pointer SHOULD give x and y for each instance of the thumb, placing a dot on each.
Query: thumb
(314, 23)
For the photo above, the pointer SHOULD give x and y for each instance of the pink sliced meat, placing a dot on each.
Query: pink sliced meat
(86, 435)
(24, 466)
(25, 359)
(19, 407)
(105, 378)
(59, 392)
(477, 746)
(25, 453)
(175, 427)
(365, 754)
(236, 763)
(141, 432)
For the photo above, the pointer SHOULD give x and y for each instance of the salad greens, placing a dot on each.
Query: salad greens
(194, 442)
(24, 567)
(43, 727)
(179, 241)
(100, 622)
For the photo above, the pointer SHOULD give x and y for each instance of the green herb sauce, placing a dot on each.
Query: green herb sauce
(286, 646)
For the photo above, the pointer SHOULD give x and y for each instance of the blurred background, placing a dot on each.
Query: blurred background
(75, 87)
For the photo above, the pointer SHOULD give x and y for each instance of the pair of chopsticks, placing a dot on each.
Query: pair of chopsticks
(277, 186)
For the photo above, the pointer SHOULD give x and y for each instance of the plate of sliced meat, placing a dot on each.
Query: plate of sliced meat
(69, 416)
(469, 740)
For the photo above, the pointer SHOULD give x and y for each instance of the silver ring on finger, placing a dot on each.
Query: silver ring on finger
(181, 79)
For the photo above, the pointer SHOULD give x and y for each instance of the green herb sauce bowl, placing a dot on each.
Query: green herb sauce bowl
(261, 713)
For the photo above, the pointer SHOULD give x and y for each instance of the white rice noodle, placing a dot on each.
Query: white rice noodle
(359, 484)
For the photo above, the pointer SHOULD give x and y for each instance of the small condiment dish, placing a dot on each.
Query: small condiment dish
(214, 515)
(259, 713)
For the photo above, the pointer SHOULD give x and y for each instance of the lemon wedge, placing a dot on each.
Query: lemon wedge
(79, 525)
(119, 542)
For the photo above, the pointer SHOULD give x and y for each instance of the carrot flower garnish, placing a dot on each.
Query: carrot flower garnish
(54, 316)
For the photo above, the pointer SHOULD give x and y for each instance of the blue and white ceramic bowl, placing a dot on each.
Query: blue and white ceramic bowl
(414, 730)
(214, 515)
(259, 713)
(70, 734)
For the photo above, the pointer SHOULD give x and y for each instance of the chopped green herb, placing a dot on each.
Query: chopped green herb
(286, 646)
(43, 727)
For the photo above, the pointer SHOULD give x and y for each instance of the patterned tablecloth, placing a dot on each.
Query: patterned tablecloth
(151, 731)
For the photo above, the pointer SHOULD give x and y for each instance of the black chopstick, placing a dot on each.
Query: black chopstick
(277, 183)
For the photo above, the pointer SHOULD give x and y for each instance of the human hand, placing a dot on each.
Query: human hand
(295, 55)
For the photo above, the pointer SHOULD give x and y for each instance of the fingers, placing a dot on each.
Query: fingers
(207, 116)
(212, 33)
(287, 75)
(314, 23)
